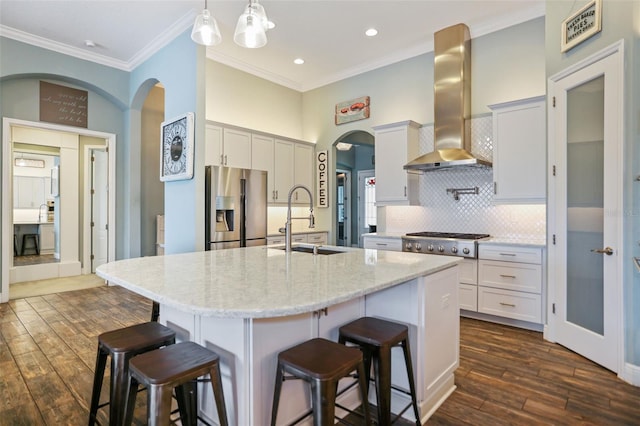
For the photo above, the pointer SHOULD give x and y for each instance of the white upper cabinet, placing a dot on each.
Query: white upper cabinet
(227, 147)
(396, 144)
(303, 172)
(519, 151)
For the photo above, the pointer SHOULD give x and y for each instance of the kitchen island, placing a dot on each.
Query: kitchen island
(248, 304)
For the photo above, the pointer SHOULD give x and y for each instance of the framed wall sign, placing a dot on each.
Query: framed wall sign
(176, 148)
(581, 25)
(322, 178)
(355, 109)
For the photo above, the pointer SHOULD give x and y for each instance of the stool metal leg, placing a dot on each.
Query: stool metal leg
(364, 394)
(412, 385)
(276, 395)
(98, 376)
(382, 365)
(158, 405)
(323, 403)
(119, 387)
(216, 386)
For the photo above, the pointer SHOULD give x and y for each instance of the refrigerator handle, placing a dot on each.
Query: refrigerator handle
(243, 212)
(207, 208)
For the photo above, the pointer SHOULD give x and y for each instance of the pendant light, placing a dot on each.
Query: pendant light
(252, 26)
(205, 29)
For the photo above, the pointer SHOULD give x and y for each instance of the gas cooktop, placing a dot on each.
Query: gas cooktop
(443, 243)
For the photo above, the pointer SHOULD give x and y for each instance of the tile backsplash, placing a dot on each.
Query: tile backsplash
(439, 211)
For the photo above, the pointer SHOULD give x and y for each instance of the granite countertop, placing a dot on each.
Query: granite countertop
(33, 222)
(264, 281)
(526, 240)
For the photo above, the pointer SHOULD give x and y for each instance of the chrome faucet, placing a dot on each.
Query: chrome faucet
(287, 226)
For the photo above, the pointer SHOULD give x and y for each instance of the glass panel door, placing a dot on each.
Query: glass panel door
(585, 203)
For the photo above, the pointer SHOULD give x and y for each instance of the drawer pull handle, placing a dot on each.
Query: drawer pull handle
(507, 254)
(381, 244)
(507, 276)
(508, 304)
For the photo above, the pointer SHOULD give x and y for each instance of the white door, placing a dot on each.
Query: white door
(366, 203)
(99, 208)
(343, 206)
(585, 210)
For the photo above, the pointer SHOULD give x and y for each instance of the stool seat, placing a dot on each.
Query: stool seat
(322, 363)
(123, 344)
(170, 367)
(376, 337)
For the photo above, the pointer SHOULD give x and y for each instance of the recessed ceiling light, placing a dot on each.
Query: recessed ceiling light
(89, 43)
(298, 61)
(371, 32)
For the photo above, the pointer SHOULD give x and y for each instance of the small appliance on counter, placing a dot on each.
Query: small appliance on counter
(235, 207)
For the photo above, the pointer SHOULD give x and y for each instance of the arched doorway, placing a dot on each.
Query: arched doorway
(354, 162)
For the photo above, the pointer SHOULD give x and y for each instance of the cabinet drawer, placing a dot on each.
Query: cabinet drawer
(272, 241)
(468, 297)
(510, 304)
(510, 253)
(468, 271)
(319, 238)
(381, 243)
(510, 276)
(302, 238)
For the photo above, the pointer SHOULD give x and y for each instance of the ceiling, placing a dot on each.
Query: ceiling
(328, 35)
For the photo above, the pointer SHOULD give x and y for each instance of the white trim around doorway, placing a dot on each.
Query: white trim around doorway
(7, 194)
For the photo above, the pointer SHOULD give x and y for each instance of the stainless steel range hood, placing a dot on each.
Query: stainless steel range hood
(452, 104)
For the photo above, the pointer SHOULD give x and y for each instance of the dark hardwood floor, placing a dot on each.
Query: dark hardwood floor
(507, 376)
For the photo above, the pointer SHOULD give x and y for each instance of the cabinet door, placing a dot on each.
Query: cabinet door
(262, 158)
(519, 136)
(283, 169)
(213, 145)
(395, 146)
(47, 238)
(303, 172)
(236, 149)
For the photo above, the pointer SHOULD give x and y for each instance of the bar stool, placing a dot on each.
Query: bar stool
(122, 345)
(15, 245)
(33, 238)
(172, 367)
(376, 338)
(321, 363)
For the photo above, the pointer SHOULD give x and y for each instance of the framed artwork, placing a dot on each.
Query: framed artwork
(176, 148)
(355, 109)
(581, 25)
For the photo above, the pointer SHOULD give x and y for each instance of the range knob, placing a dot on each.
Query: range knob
(441, 249)
(418, 246)
(465, 250)
(454, 250)
(408, 246)
(430, 247)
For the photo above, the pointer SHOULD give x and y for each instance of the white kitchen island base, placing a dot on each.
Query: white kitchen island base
(248, 348)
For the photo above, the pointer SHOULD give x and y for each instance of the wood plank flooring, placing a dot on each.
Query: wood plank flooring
(507, 376)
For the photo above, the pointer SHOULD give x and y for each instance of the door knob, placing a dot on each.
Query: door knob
(607, 250)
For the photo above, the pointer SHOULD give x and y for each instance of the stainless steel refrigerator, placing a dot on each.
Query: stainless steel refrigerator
(236, 207)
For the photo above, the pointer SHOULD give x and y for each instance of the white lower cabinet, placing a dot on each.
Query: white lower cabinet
(510, 282)
(382, 243)
(468, 286)
(310, 238)
(47, 238)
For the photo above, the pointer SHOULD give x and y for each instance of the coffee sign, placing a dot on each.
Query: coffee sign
(581, 25)
(322, 170)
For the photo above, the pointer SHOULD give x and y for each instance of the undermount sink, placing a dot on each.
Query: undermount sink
(309, 249)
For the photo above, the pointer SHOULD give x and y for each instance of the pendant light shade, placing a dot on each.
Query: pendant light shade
(205, 29)
(252, 26)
